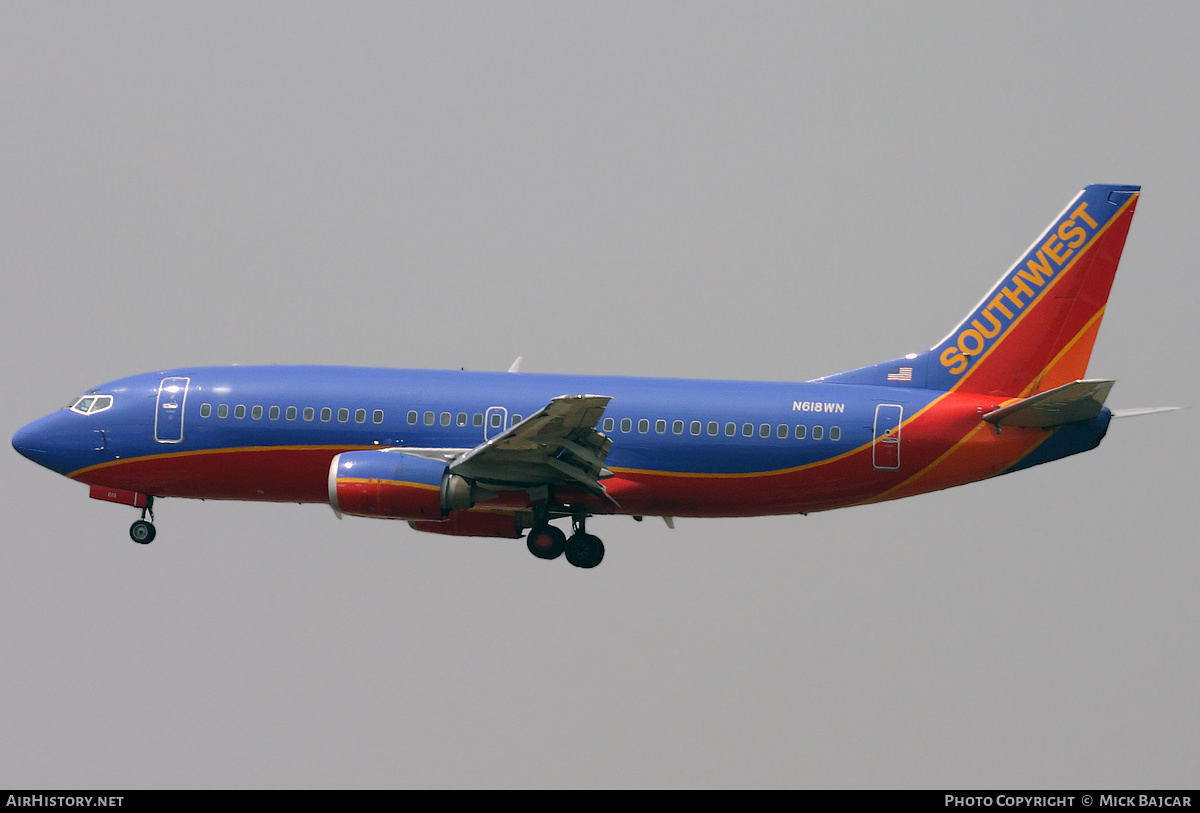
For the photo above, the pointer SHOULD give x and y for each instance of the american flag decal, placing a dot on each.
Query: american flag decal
(900, 374)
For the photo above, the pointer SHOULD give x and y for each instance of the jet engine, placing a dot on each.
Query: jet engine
(395, 485)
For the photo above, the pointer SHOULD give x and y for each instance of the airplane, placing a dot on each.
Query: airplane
(507, 454)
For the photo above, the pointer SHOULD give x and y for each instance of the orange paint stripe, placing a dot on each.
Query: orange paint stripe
(740, 475)
(1067, 348)
(374, 481)
(943, 460)
(227, 450)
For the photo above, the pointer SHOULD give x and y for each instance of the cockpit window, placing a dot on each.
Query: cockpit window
(91, 404)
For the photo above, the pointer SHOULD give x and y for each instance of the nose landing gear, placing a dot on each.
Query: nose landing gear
(142, 531)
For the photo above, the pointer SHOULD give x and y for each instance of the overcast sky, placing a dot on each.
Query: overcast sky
(728, 190)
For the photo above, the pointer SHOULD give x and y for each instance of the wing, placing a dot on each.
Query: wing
(558, 444)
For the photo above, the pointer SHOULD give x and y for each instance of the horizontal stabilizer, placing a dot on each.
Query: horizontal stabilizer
(1077, 401)
(1133, 413)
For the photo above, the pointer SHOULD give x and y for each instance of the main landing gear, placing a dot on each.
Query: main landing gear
(142, 531)
(582, 549)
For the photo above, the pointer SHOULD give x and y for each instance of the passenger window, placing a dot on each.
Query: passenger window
(800, 431)
(782, 431)
(731, 429)
(256, 413)
(660, 426)
(462, 419)
(609, 423)
(377, 416)
(290, 414)
(223, 411)
(429, 419)
(344, 414)
(644, 426)
(712, 427)
(360, 416)
(677, 427)
(496, 420)
(695, 427)
(326, 413)
(818, 433)
(273, 413)
(205, 410)
(747, 429)
(445, 419)
(477, 420)
(309, 413)
(764, 431)
(835, 433)
(516, 419)
(239, 411)
(626, 424)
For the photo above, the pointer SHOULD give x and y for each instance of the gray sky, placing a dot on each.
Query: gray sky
(751, 190)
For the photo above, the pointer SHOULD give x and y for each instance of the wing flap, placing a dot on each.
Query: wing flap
(557, 444)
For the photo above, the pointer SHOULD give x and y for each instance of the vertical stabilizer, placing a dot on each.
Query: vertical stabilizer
(1034, 330)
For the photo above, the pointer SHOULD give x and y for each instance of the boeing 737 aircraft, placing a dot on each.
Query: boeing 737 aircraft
(496, 454)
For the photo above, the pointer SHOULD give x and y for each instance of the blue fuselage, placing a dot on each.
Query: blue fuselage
(681, 447)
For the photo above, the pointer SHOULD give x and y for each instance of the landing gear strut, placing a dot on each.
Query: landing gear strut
(142, 531)
(582, 549)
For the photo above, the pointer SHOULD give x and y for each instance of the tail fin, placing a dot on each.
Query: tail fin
(1034, 330)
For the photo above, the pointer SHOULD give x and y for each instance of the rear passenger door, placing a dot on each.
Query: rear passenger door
(885, 452)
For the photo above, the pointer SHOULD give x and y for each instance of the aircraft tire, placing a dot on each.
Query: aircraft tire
(584, 550)
(545, 541)
(142, 532)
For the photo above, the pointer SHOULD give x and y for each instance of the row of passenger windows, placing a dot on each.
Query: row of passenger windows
(660, 426)
(445, 419)
(343, 415)
(496, 419)
(764, 430)
(291, 413)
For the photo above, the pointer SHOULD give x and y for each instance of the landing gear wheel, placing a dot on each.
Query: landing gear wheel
(546, 541)
(141, 532)
(584, 550)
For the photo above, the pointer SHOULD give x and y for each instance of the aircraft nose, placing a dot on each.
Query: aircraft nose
(42, 442)
(30, 442)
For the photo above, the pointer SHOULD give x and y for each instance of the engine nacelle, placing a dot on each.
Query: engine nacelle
(474, 523)
(395, 485)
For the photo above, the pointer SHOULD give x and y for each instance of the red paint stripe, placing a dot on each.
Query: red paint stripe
(288, 474)
(943, 445)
